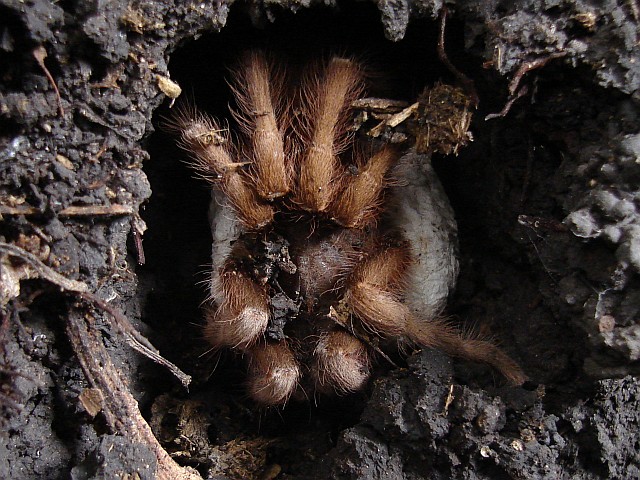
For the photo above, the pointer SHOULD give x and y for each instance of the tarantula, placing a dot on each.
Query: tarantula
(314, 274)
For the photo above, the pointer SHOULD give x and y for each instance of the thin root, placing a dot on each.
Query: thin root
(466, 82)
(40, 53)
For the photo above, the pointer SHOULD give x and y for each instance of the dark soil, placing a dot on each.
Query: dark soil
(546, 200)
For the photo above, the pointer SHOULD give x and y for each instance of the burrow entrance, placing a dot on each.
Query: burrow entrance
(501, 175)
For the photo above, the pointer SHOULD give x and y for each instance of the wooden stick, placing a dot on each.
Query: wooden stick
(72, 211)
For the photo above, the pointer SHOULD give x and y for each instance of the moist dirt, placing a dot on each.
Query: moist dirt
(545, 197)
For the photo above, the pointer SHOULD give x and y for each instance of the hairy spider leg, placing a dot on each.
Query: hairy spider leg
(273, 373)
(341, 363)
(373, 296)
(373, 290)
(242, 316)
(258, 92)
(360, 201)
(326, 98)
(438, 334)
(214, 159)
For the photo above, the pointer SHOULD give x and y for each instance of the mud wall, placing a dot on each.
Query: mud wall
(545, 198)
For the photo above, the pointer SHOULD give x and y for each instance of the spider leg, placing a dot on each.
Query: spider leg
(378, 309)
(341, 363)
(215, 160)
(373, 288)
(326, 100)
(438, 334)
(243, 315)
(273, 373)
(251, 211)
(372, 295)
(386, 267)
(360, 201)
(255, 87)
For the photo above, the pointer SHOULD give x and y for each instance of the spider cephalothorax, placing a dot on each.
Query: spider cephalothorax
(313, 272)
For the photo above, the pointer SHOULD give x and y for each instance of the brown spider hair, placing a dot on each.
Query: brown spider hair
(313, 272)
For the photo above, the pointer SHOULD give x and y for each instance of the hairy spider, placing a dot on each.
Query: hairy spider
(315, 276)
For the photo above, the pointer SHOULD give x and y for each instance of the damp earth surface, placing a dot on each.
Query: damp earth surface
(545, 198)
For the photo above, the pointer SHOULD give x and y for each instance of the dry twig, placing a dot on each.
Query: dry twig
(138, 228)
(514, 93)
(42, 270)
(394, 120)
(72, 211)
(119, 407)
(133, 338)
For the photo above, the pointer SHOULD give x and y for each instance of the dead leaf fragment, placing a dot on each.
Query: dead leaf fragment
(91, 400)
(64, 161)
(170, 88)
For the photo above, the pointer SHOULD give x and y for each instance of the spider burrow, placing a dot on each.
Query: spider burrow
(308, 267)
